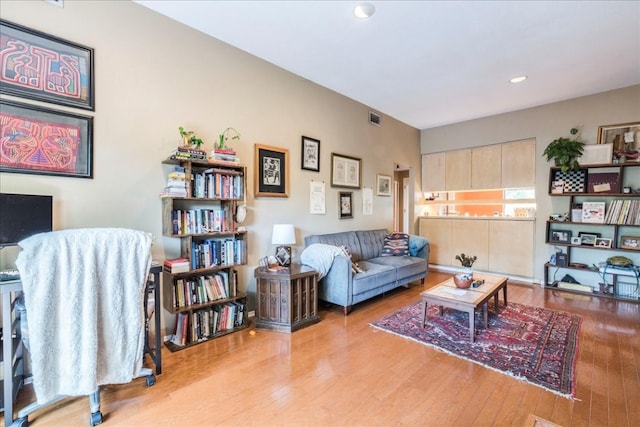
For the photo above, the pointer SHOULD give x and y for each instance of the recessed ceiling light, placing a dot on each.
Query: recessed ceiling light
(364, 10)
(518, 79)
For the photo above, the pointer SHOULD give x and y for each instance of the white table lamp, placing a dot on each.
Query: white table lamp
(283, 236)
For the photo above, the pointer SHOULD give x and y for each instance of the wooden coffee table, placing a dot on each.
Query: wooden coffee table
(446, 294)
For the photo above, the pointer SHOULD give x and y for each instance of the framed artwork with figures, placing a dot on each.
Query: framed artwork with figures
(310, 154)
(271, 171)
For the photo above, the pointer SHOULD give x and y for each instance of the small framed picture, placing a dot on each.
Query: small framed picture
(557, 186)
(602, 242)
(588, 239)
(630, 242)
(383, 185)
(310, 154)
(576, 240)
(560, 236)
(271, 171)
(345, 204)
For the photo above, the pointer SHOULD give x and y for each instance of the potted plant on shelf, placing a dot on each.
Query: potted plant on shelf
(189, 138)
(565, 151)
(224, 137)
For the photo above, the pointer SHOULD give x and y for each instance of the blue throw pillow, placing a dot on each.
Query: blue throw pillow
(416, 243)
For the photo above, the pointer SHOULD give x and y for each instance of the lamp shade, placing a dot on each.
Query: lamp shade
(283, 234)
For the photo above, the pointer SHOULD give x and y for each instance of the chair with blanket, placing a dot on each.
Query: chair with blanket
(84, 293)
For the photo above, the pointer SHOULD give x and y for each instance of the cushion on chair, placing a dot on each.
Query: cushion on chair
(396, 244)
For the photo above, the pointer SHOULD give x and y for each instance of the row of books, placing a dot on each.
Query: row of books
(205, 323)
(204, 289)
(218, 252)
(186, 153)
(202, 221)
(215, 183)
(623, 212)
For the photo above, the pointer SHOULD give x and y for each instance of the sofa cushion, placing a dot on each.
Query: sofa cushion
(396, 244)
(371, 243)
(345, 238)
(374, 276)
(407, 266)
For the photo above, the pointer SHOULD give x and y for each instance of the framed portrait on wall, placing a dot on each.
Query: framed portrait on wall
(271, 171)
(58, 71)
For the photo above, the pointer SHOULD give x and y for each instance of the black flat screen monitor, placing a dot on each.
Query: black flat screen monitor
(22, 216)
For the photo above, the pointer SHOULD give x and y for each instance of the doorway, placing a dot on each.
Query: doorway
(402, 200)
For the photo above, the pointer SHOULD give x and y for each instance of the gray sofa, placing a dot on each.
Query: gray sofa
(381, 273)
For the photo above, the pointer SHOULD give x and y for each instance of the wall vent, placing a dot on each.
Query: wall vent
(374, 119)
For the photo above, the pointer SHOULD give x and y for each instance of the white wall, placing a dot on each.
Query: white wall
(545, 124)
(153, 75)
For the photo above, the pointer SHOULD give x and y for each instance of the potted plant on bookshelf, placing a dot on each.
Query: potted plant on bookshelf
(565, 151)
(189, 138)
(224, 137)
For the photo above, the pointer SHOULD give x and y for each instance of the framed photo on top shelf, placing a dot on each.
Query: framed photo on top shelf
(310, 154)
(345, 171)
(588, 239)
(560, 236)
(630, 242)
(271, 171)
(59, 71)
(41, 141)
(625, 137)
(602, 242)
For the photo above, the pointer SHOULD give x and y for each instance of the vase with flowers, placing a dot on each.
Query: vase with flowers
(464, 279)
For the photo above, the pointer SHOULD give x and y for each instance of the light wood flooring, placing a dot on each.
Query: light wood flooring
(342, 372)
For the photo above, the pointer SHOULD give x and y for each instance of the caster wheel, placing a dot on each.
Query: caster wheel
(151, 380)
(96, 418)
(21, 422)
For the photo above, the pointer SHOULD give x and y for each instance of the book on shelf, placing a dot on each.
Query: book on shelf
(176, 265)
(187, 153)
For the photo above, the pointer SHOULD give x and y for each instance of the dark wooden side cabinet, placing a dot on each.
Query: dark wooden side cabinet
(287, 300)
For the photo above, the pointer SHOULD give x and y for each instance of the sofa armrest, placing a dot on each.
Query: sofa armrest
(337, 285)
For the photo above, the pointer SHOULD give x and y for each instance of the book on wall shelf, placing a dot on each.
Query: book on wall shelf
(200, 285)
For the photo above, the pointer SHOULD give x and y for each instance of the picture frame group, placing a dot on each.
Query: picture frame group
(37, 139)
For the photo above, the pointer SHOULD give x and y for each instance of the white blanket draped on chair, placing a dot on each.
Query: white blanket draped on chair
(84, 291)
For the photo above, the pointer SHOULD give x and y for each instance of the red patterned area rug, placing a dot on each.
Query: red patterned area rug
(533, 344)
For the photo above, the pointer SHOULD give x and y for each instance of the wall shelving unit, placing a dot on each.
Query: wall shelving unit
(602, 204)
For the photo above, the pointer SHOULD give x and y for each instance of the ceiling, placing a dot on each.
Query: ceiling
(432, 63)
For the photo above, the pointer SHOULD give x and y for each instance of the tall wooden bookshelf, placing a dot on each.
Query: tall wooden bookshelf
(205, 299)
